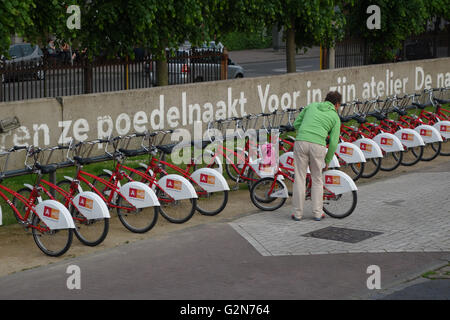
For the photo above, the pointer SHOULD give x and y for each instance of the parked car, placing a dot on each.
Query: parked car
(30, 55)
(184, 68)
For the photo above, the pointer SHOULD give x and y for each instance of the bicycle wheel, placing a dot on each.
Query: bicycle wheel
(53, 243)
(412, 155)
(339, 206)
(261, 191)
(210, 203)
(445, 147)
(175, 211)
(136, 220)
(391, 160)
(371, 168)
(354, 170)
(431, 151)
(90, 232)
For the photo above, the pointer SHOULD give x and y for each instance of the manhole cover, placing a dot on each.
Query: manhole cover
(342, 234)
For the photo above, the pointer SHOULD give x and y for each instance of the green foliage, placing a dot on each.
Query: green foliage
(399, 20)
(246, 40)
(14, 18)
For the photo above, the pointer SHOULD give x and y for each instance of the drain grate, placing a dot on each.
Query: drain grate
(342, 234)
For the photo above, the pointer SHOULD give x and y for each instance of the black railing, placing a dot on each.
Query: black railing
(50, 77)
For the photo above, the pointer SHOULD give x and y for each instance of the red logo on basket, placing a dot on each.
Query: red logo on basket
(136, 193)
(86, 202)
(290, 161)
(387, 141)
(365, 147)
(332, 179)
(408, 136)
(346, 150)
(445, 128)
(425, 133)
(204, 178)
(173, 184)
(51, 213)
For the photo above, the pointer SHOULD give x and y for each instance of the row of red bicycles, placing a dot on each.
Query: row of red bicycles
(143, 179)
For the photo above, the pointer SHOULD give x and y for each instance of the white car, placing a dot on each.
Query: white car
(195, 66)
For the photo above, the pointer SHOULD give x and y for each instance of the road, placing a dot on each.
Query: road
(269, 68)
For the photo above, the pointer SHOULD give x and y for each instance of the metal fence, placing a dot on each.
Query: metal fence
(356, 52)
(50, 77)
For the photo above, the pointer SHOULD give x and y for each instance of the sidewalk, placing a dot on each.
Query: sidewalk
(269, 54)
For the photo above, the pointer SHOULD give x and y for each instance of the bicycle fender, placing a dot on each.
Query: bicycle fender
(71, 179)
(409, 138)
(388, 142)
(263, 170)
(54, 215)
(444, 128)
(369, 148)
(177, 187)
(217, 160)
(287, 160)
(108, 172)
(210, 180)
(428, 133)
(139, 195)
(90, 205)
(350, 153)
(143, 165)
(338, 182)
(334, 163)
(281, 193)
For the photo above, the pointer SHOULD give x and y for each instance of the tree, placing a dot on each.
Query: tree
(307, 23)
(399, 20)
(14, 17)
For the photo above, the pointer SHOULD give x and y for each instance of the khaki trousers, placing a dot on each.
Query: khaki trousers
(312, 154)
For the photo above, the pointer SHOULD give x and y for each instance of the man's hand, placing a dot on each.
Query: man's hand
(326, 168)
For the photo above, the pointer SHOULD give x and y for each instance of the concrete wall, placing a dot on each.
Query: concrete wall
(48, 122)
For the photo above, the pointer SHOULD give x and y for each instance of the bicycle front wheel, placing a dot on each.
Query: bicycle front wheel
(90, 232)
(211, 203)
(136, 220)
(412, 155)
(175, 211)
(391, 160)
(339, 206)
(53, 243)
(261, 192)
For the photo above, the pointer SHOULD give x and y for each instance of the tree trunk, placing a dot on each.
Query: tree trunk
(290, 49)
(162, 72)
(162, 68)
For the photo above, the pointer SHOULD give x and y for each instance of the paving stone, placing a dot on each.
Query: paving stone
(407, 211)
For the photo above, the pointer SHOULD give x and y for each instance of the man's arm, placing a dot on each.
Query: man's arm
(334, 140)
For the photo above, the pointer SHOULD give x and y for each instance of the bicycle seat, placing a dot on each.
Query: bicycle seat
(401, 112)
(287, 128)
(133, 153)
(419, 105)
(378, 115)
(346, 118)
(360, 119)
(442, 101)
(47, 168)
(205, 143)
(166, 148)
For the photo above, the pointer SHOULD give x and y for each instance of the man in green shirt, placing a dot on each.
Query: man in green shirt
(314, 124)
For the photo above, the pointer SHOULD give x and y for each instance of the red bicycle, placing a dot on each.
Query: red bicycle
(49, 221)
